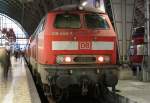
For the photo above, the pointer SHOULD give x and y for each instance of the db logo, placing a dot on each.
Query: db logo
(84, 45)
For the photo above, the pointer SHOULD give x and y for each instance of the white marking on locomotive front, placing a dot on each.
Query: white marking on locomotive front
(102, 45)
(64, 45)
(74, 45)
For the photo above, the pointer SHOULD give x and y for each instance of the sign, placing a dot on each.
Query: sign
(85, 45)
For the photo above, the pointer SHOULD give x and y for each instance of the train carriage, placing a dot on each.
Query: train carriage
(73, 46)
(137, 49)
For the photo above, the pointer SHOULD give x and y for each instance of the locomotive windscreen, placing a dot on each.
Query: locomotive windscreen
(99, 21)
(67, 21)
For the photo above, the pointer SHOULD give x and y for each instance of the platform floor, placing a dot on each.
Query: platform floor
(19, 86)
(135, 90)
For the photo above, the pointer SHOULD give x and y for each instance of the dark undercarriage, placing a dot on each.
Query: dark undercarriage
(65, 81)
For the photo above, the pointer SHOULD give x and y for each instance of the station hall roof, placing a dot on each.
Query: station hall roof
(29, 12)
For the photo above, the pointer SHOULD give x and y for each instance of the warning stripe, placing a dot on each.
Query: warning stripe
(73, 45)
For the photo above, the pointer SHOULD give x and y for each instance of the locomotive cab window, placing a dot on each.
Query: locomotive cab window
(67, 21)
(99, 21)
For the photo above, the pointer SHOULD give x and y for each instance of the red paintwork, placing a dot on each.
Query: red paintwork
(44, 54)
(136, 59)
(138, 40)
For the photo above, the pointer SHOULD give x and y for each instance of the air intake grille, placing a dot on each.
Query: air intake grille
(84, 59)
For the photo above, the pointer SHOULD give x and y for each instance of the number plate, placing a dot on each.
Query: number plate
(85, 45)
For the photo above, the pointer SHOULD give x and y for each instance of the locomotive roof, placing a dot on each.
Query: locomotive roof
(77, 8)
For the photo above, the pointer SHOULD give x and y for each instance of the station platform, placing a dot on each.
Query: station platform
(18, 87)
(135, 91)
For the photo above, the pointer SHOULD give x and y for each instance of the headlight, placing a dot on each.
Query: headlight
(67, 59)
(103, 59)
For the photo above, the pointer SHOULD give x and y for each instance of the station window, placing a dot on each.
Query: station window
(16, 39)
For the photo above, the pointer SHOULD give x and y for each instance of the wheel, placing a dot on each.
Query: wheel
(109, 78)
(57, 93)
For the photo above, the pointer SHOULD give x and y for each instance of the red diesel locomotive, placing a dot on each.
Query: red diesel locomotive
(137, 48)
(73, 46)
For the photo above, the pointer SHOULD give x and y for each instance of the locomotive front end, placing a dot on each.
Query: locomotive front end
(81, 52)
(76, 49)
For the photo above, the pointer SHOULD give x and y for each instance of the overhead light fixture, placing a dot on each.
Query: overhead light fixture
(84, 3)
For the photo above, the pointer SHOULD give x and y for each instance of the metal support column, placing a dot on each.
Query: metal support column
(22, 16)
(146, 63)
(123, 17)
